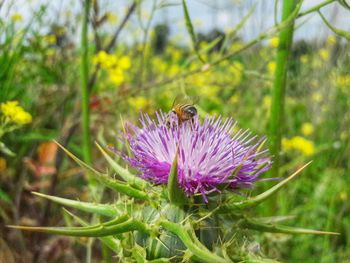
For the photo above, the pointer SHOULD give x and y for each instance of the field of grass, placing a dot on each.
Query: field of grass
(87, 76)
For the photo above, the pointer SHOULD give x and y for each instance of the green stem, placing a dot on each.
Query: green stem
(277, 108)
(316, 8)
(199, 251)
(84, 84)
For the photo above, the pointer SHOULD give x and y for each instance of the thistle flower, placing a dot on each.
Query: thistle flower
(211, 156)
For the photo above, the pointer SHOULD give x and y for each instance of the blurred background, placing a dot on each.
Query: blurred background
(140, 58)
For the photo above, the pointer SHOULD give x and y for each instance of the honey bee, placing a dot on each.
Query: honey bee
(184, 110)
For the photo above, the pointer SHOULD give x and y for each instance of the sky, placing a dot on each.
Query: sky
(205, 15)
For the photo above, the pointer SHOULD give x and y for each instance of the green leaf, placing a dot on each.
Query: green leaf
(109, 241)
(4, 196)
(273, 219)
(78, 161)
(5, 150)
(190, 30)
(176, 193)
(123, 187)
(119, 225)
(100, 209)
(272, 228)
(254, 201)
(106, 180)
(122, 172)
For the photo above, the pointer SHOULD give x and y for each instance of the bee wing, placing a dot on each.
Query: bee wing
(178, 100)
(185, 99)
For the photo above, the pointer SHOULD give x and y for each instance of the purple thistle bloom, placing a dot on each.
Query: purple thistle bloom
(211, 156)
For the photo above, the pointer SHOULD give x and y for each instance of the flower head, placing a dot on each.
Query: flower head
(15, 113)
(211, 156)
(307, 128)
(298, 143)
(274, 42)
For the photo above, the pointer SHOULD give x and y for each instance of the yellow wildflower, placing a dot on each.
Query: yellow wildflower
(22, 117)
(16, 17)
(234, 99)
(316, 97)
(124, 62)
(343, 80)
(176, 55)
(271, 68)
(331, 40)
(138, 103)
(111, 18)
(236, 70)
(307, 129)
(174, 69)
(100, 57)
(50, 39)
(298, 143)
(274, 42)
(324, 53)
(116, 76)
(15, 113)
(9, 108)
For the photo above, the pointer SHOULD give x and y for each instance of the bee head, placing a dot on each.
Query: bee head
(191, 110)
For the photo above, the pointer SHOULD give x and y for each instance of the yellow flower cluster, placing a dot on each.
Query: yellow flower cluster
(274, 42)
(307, 129)
(316, 97)
(114, 65)
(331, 40)
(324, 54)
(111, 18)
(236, 70)
(298, 143)
(343, 80)
(50, 39)
(15, 113)
(271, 68)
(139, 103)
(16, 17)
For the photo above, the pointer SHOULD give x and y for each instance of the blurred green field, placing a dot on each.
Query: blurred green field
(144, 70)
